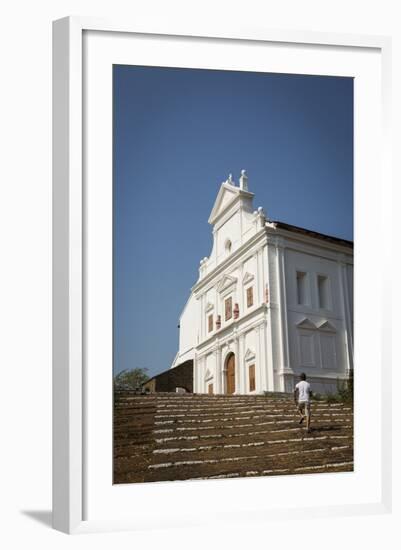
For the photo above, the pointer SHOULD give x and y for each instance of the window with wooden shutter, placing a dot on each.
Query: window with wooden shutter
(210, 323)
(252, 382)
(249, 296)
(228, 308)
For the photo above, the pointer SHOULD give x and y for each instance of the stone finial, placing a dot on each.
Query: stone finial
(261, 216)
(243, 181)
(230, 179)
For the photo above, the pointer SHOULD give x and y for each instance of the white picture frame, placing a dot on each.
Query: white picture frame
(70, 261)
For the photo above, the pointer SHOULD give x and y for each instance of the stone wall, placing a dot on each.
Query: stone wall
(180, 376)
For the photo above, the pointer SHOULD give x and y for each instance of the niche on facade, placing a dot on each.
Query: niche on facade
(228, 246)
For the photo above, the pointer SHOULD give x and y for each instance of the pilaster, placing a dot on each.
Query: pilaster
(237, 363)
(281, 284)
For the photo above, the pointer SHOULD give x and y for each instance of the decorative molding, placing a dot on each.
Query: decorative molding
(308, 244)
(248, 277)
(228, 330)
(208, 375)
(306, 323)
(326, 326)
(234, 192)
(249, 355)
(209, 307)
(240, 255)
(225, 283)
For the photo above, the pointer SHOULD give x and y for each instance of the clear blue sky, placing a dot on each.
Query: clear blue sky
(178, 133)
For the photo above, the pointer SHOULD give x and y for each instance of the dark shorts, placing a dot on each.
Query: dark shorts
(304, 407)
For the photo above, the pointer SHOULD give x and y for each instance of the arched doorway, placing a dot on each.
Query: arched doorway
(230, 373)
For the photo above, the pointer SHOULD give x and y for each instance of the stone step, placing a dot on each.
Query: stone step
(240, 439)
(262, 449)
(247, 413)
(187, 469)
(255, 420)
(200, 400)
(171, 436)
(243, 456)
(253, 435)
(225, 445)
(180, 466)
(333, 467)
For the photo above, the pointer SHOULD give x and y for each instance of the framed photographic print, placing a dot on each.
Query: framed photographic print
(215, 349)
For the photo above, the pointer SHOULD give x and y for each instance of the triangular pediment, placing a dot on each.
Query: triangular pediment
(226, 196)
(326, 326)
(306, 323)
(249, 355)
(208, 375)
(226, 282)
(248, 277)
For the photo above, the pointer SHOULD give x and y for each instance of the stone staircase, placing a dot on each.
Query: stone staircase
(167, 436)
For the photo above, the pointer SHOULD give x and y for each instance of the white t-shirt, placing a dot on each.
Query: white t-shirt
(303, 391)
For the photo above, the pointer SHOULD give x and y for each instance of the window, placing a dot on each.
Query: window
(252, 383)
(301, 288)
(228, 308)
(249, 296)
(210, 389)
(228, 246)
(210, 323)
(323, 291)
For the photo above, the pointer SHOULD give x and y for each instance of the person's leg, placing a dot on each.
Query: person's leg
(308, 416)
(301, 412)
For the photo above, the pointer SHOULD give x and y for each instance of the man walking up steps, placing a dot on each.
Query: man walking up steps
(302, 397)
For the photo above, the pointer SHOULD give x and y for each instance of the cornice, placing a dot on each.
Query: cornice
(282, 238)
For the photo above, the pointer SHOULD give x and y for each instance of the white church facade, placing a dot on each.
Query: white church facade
(272, 300)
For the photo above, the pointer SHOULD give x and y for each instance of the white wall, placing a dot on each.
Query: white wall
(189, 328)
(316, 351)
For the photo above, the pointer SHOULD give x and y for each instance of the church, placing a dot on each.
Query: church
(272, 300)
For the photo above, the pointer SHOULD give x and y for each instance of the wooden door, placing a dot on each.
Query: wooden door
(231, 374)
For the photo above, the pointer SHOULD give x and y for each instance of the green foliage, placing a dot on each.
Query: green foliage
(345, 389)
(130, 379)
(318, 397)
(344, 394)
(332, 398)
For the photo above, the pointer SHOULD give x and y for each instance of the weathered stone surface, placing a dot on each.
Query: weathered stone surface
(166, 437)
